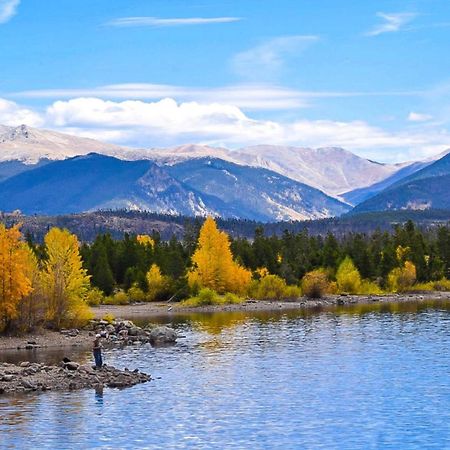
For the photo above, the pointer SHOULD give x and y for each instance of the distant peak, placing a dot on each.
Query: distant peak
(20, 132)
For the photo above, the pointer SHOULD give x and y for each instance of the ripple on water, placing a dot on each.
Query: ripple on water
(336, 379)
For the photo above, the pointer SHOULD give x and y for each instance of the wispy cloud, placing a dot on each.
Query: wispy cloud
(249, 96)
(8, 9)
(170, 22)
(268, 59)
(392, 22)
(419, 117)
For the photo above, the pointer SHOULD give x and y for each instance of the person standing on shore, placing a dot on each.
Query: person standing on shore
(97, 350)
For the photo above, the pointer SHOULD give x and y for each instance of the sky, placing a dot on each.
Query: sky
(370, 76)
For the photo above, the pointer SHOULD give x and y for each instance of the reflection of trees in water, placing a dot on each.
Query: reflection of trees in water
(15, 411)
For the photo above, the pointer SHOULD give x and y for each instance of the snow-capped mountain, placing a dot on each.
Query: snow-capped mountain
(331, 170)
(196, 187)
(31, 145)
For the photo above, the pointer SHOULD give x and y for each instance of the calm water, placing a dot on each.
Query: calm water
(355, 378)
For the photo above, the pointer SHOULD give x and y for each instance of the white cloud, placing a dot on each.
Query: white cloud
(391, 23)
(8, 9)
(171, 22)
(12, 114)
(419, 117)
(167, 122)
(268, 59)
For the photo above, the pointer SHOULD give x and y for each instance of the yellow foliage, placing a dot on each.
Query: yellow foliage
(145, 239)
(207, 297)
(32, 307)
(402, 253)
(94, 296)
(109, 317)
(315, 284)
(369, 288)
(273, 287)
(14, 273)
(65, 281)
(119, 298)
(401, 279)
(135, 294)
(261, 272)
(439, 285)
(348, 278)
(213, 263)
(157, 283)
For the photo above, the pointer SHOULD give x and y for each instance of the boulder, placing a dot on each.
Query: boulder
(163, 335)
(71, 365)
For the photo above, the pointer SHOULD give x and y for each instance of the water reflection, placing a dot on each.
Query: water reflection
(360, 376)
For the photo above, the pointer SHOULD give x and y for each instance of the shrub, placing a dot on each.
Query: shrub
(401, 279)
(232, 299)
(109, 318)
(442, 285)
(315, 284)
(135, 294)
(94, 297)
(271, 287)
(369, 288)
(439, 285)
(292, 292)
(79, 315)
(347, 277)
(119, 298)
(205, 297)
(158, 284)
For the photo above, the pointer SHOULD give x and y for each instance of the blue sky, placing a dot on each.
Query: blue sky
(370, 76)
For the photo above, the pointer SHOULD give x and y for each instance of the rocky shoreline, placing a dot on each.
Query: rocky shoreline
(116, 333)
(32, 377)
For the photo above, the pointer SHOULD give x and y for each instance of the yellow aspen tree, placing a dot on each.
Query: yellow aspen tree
(157, 282)
(145, 239)
(14, 283)
(32, 306)
(401, 279)
(347, 277)
(65, 281)
(213, 262)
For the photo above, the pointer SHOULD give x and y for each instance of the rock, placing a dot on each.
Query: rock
(27, 385)
(38, 377)
(163, 335)
(25, 364)
(71, 365)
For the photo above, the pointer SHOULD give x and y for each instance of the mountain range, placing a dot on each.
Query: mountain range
(47, 172)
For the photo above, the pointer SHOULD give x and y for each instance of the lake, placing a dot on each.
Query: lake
(350, 378)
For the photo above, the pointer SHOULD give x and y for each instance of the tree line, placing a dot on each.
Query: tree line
(52, 283)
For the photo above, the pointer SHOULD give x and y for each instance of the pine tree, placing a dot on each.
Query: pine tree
(102, 276)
